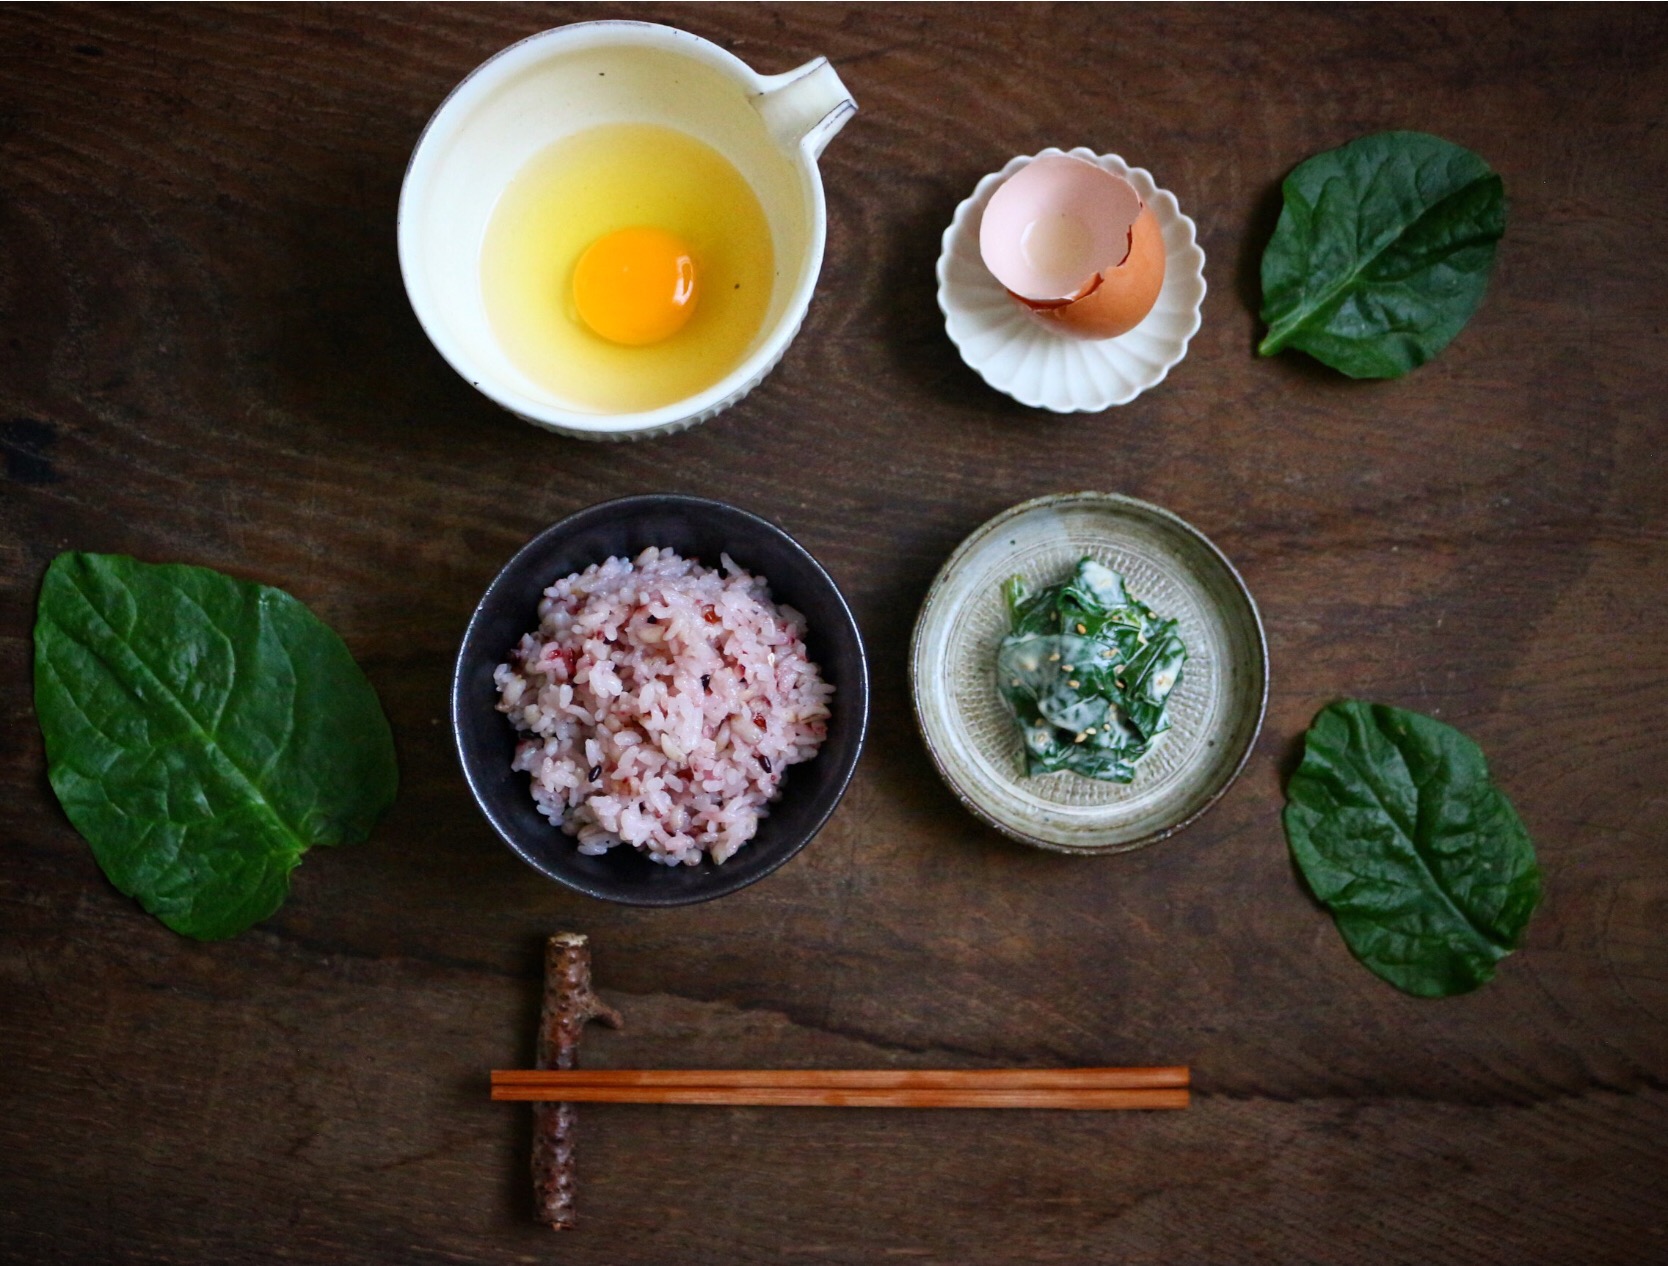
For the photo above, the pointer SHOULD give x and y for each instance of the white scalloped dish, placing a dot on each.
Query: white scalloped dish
(1039, 367)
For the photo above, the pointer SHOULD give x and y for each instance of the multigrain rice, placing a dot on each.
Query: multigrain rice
(662, 703)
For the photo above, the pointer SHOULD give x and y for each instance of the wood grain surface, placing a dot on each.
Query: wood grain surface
(206, 356)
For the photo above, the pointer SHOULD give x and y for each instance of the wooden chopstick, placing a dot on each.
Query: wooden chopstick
(854, 1078)
(808, 1097)
(1075, 1088)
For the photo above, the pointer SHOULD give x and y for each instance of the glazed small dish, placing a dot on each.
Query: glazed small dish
(697, 529)
(1216, 707)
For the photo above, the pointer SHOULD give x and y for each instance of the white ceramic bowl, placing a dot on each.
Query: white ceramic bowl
(1045, 370)
(550, 85)
(1216, 708)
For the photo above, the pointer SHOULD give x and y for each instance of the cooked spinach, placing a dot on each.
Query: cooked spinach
(1087, 672)
(202, 733)
(1398, 829)
(1382, 252)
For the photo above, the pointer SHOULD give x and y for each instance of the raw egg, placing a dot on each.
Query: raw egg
(637, 199)
(635, 286)
(1074, 246)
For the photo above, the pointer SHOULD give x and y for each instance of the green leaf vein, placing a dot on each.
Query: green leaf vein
(252, 789)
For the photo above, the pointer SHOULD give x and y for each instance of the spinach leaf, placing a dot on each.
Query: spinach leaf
(1086, 673)
(1396, 826)
(1382, 252)
(202, 733)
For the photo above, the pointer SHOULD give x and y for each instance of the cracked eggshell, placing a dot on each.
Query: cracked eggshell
(1074, 247)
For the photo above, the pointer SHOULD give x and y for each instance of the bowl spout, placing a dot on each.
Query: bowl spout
(803, 108)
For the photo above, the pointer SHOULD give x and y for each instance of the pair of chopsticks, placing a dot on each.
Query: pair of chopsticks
(1076, 1088)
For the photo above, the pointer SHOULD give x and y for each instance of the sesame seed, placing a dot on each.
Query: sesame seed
(1081, 737)
(1090, 730)
(1054, 658)
(1082, 629)
(1074, 684)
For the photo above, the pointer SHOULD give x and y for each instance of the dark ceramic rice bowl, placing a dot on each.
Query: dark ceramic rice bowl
(696, 528)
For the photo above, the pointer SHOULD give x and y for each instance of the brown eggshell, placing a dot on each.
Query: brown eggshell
(1123, 296)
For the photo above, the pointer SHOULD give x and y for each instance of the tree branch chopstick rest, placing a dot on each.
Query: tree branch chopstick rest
(569, 1005)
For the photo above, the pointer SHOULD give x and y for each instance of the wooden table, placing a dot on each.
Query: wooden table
(206, 356)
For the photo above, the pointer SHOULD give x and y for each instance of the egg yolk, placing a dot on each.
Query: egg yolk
(635, 286)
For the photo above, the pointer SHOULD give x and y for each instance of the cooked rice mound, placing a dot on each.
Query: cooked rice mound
(662, 702)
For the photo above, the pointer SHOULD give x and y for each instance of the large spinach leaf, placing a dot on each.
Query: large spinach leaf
(1382, 252)
(1394, 822)
(202, 733)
